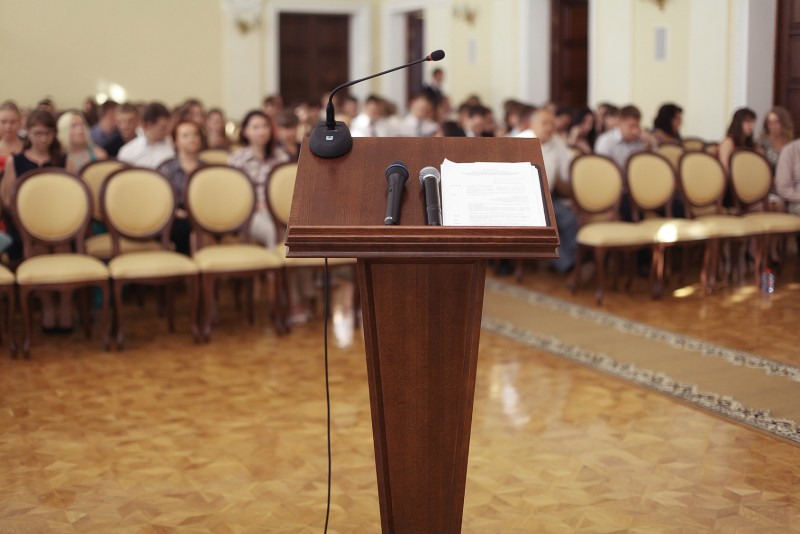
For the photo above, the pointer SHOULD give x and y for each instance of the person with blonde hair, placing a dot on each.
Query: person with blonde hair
(777, 133)
(10, 124)
(76, 142)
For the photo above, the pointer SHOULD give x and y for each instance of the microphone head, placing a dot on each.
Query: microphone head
(429, 171)
(397, 167)
(437, 55)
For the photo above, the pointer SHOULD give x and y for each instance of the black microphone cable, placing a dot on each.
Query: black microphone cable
(325, 292)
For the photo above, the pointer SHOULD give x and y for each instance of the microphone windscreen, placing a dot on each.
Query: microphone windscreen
(429, 171)
(438, 55)
(397, 167)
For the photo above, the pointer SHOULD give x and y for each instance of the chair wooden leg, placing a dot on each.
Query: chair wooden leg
(600, 265)
(209, 291)
(194, 285)
(169, 300)
(105, 322)
(118, 314)
(84, 295)
(250, 285)
(286, 300)
(25, 308)
(657, 271)
(576, 282)
(11, 308)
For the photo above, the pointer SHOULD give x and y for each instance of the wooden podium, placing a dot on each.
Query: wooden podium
(422, 297)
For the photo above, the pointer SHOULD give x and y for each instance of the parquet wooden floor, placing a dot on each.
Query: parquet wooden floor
(230, 437)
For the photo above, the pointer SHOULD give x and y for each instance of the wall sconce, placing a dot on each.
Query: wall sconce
(466, 13)
(246, 14)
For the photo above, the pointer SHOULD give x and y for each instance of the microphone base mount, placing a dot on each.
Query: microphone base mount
(330, 143)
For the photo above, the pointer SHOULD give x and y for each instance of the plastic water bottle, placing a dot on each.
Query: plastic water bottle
(767, 281)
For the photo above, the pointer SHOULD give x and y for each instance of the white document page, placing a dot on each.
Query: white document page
(491, 194)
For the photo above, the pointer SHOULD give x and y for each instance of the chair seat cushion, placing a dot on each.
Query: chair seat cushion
(309, 262)
(773, 222)
(99, 246)
(151, 264)
(730, 226)
(61, 268)
(6, 276)
(615, 234)
(676, 230)
(236, 257)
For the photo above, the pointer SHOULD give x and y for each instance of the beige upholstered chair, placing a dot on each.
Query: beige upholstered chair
(672, 152)
(220, 201)
(751, 178)
(99, 245)
(597, 188)
(703, 185)
(139, 204)
(693, 144)
(652, 187)
(280, 188)
(7, 292)
(215, 156)
(52, 209)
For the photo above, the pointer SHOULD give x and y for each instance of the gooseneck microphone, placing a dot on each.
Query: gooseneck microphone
(430, 178)
(331, 138)
(396, 176)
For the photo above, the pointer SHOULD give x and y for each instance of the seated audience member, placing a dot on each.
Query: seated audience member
(370, 122)
(667, 124)
(287, 124)
(257, 157)
(346, 109)
(106, 126)
(76, 143)
(187, 138)
(740, 135)
(778, 132)
(600, 115)
(581, 131)
(787, 176)
(557, 159)
(626, 139)
(272, 104)
(127, 126)
(443, 110)
(47, 104)
(216, 136)
(563, 117)
(419, 120)
(512, 112)
(153, 147)
(90, 111)
(192, 110)
(479, 122)
(433, 90)
(10, 141)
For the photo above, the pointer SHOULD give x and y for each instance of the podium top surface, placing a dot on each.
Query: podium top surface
(339, 204)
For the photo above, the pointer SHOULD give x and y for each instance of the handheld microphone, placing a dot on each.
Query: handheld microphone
(331, 138)
(396, 176)
(430, 178)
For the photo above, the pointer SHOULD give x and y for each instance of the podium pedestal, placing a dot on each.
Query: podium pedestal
(422, 299)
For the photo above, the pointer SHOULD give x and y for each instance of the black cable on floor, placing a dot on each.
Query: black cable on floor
(326, 305)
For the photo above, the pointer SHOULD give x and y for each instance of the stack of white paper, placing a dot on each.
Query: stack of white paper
(491, 194)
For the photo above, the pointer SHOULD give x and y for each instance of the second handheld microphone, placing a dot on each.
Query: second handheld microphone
(396, 176)
(429, 177)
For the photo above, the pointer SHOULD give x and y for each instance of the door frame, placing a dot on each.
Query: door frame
(359, 45)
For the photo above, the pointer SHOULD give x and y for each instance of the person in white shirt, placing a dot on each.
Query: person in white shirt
(370, 122)
(557, 159)
(626, 139)
(418, 122)
(153, 146)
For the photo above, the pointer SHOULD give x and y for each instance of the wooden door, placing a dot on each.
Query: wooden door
(787, 58)
(569, 62)
(314, 55)
(415, 27)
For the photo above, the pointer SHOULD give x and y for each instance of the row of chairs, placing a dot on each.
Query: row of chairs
(651, 183)
(53, 209)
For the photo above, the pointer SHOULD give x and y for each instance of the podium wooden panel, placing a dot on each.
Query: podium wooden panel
(422, 298)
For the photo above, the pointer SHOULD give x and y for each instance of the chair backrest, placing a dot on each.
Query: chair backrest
(673, 153)
(596, 184)
(51, 207)
(280, 188)
(712, 148)
(94, 174)
(215, 156)
(751, 177)
(702, 180)
(651, 182)
(693, 144)
(137, 204)
(220, 200)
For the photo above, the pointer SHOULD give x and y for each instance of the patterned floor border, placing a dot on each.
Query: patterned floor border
(719, 404)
